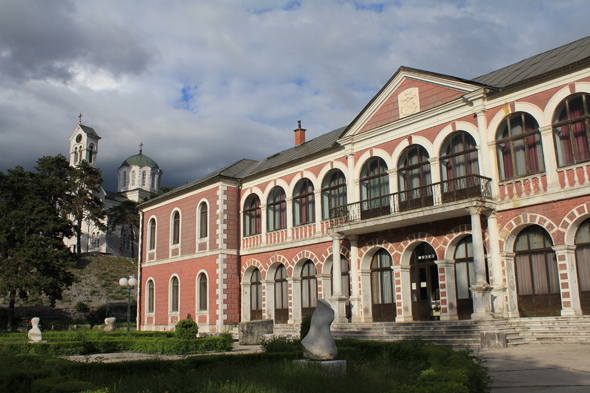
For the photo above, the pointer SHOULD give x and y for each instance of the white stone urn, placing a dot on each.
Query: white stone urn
(35, 334)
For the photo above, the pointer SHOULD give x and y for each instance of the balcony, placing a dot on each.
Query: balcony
(434, 202)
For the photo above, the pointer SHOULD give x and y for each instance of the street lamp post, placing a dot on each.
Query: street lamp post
(128, 284)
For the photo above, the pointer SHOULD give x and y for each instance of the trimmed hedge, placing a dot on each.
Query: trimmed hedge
(169, 346)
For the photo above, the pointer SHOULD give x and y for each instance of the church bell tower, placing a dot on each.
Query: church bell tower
(83, 144)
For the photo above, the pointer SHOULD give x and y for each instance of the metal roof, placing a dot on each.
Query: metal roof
(539, 65)
(89, 131)
(309, 148)
(140, 160)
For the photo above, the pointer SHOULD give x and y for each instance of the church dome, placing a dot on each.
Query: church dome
(140, 160)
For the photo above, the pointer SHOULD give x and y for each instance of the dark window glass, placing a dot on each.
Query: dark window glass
(203, 220)
(571, 130)
(252, 216)
(174, 295)
(519, 148)
(458, 156)
(152, 238)
(176, 228)
(150, 305)
(303, 203)
(276, 210)
(333, 192)
(202, 292)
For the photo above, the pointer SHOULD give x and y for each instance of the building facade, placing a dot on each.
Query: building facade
(444, 199)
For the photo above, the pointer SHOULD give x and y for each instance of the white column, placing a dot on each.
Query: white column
(512, 295)
(495, 262)
(482, 306)
(483, 149)
(246, 301)
(351, 183)
(295, 303)
(406, 293)
(355, 299)
(318, 210)
(434, 169)
(263, 221)
(289, 213)
(550, 158)
(268, 288)
(337, 299)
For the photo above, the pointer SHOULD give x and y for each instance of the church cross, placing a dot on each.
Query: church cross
(141, 148)
(80, 117)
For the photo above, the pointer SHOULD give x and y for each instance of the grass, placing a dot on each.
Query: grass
(371, 367)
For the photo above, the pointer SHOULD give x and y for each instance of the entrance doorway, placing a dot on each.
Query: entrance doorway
(425, 289)
(583, 263)
(537, 279)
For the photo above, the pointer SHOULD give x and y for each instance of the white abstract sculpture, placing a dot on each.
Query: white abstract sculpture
(111, 324)
(319, 343)
(35, 334)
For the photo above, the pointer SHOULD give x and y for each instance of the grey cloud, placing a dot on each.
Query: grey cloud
(49, 40)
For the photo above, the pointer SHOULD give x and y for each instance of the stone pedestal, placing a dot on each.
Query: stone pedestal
(493, 340)
(482, 301)
(338, 303)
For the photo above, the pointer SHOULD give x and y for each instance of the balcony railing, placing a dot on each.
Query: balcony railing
(458, 189)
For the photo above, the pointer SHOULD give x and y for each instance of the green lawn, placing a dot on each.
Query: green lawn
(371, 367)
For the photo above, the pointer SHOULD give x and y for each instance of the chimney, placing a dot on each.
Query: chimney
(299, 134)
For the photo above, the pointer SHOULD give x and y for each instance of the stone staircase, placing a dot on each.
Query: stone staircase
(465, 333)
(549, 330)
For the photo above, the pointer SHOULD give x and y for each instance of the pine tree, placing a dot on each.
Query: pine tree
(82, 202)
(33, 257)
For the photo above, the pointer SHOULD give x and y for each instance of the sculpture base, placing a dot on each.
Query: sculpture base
(333, 367)
(38, 342)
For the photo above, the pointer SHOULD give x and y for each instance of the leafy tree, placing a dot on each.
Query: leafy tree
(34, 260)
(124, 215)
(82, 202)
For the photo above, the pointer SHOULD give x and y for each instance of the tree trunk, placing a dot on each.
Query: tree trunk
(121, 240)
(78, 228)
(11, 317)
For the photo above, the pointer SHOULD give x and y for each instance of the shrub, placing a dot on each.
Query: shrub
(82, 307)
(305, 325)
(281, 345)
(186, 329)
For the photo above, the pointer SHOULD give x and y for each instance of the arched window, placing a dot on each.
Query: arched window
(333, 192)
(276, 209)
(174, 294)
(465, 277)
(458, 156)
(281, 295)
(571, 130)
(374, 188)
(152, 235)
(537, 279)
(75, 155)
(202, 292)
(124, 179)
(583, 264)
(133, 178)
(309, 289)
(414, 178)
(143, 178)
(518, 143)
(176, 228)
(150, 296)
(90, 153)
(382, 289)
(255, 296)
(252, 216)
(154, 182)
(303, 203)
(203, 220)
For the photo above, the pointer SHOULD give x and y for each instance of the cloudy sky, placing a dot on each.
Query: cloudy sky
(205, 83)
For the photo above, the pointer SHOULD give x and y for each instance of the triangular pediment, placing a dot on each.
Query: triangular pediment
(407, 93)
